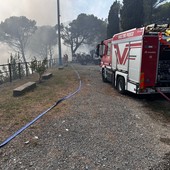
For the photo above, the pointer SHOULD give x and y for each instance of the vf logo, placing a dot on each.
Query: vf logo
(123, 56)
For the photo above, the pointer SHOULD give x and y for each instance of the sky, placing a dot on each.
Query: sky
(44, 12)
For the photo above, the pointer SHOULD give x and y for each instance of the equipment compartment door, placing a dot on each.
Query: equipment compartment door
(150, 60)
(135, 61)
(164, 65)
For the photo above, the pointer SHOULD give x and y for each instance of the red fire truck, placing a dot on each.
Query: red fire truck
(137, 60)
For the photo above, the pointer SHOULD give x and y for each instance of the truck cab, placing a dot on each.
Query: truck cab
(104, 50)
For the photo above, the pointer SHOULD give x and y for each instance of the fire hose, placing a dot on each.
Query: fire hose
(43, 113)
(166, 97)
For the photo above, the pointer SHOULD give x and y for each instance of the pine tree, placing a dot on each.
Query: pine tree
(113, 20)
(131, 14)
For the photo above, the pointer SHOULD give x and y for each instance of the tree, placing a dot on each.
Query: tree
(1, 34)
(161, 14)
(16, 68)
(86, 29)
(148, 11)
(15, 31)
(43, 41)
(39, 67)
(113, 20)
(4, 74)
(131, 14)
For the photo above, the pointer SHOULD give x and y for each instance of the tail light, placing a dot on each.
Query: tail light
(142, 81)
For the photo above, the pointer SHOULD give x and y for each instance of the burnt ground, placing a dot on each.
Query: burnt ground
(99, 129)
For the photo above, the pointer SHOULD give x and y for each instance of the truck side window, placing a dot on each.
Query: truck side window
(109, 49)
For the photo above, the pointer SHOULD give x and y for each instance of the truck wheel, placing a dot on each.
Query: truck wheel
(121, 85)
(103, 76)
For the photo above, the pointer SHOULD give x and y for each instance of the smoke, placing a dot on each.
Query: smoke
(44, 12)
(5, 53)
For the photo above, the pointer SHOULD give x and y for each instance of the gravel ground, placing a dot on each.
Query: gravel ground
(101, 130)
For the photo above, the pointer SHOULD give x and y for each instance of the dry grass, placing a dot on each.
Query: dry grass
(17, 111)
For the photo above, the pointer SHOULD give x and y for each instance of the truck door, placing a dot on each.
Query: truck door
(106, 58)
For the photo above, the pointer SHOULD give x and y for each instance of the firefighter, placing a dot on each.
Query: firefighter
(65, 59)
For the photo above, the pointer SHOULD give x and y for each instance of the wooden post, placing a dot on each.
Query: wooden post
(10, 72)
(19, 70)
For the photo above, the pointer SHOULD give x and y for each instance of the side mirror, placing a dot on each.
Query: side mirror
(99, 50)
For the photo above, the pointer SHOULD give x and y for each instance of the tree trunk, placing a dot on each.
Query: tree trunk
(25, 61)
(72, 51)
(23, 56)
(51, 56)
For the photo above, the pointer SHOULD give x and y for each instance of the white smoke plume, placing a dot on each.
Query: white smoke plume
(44, 12)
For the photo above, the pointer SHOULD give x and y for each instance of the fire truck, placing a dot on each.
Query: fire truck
(137, 60)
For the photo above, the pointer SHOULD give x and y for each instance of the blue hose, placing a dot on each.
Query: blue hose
(43, 113)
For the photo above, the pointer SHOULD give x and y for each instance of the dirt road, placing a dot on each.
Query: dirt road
(99, 130)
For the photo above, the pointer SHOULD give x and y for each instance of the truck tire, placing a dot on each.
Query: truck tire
(120, 85)
(103, 76)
